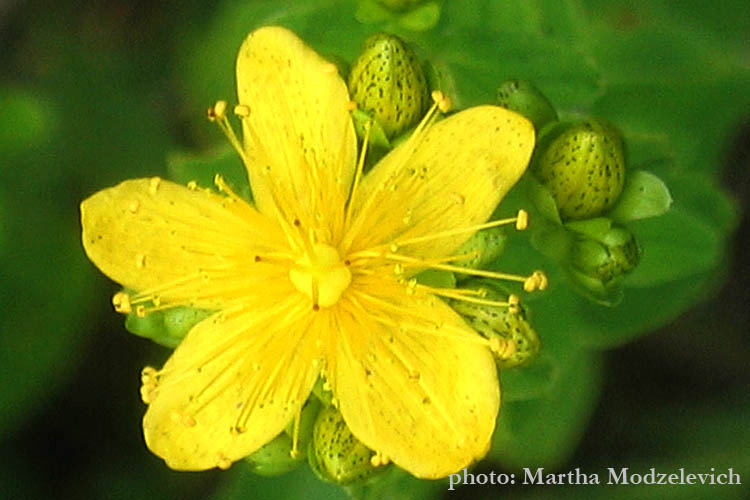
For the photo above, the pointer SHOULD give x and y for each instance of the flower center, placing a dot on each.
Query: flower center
(321, 275)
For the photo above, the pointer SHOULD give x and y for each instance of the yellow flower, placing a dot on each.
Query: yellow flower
(316, 278)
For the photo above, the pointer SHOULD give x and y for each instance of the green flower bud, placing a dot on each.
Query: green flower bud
(166, 327)
(524, 98)
(388, 82)
(506, 323)
(601, 262)
(583, 167)
(275, 458)
(335, 455)
(484, 247)
(280, 455)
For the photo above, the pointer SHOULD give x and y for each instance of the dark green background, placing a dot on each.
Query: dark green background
(93, 93)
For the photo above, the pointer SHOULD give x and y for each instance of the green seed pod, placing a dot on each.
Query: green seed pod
(603, 261)
(484, 247)
(495, 321)
(583, 167)
(335, 455)
(388, 82)
(524, 98)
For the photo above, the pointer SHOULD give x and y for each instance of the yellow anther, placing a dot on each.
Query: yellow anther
(513, 304)
(133, 206)
(121, 301)
(223, 463)
(149, 375)
(522, 220)
(543, 281)
(242, 110)
(378, 460)
(153, 185)
(148, 393)
(218, 111)
(192, 185)
(502, 348)
(140, 311)
(140, 261)
(537, 281)
(443, 101)
(351, 106)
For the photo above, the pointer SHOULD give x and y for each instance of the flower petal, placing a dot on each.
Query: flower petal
(448, 177)
(232, 385)
(414, 383)
(182, 245)
(299, 138)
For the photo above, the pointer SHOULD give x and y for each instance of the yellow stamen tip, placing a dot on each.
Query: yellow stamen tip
(537, 281)
(513, 304)
(379, 460)
(218, 111)
(223, 463)
(153, 185)
(242, 110)
(121, 301)
(443, 102)
(351, 106)
(522, 220)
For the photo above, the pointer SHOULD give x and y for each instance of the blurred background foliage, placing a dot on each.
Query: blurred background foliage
(92, 93)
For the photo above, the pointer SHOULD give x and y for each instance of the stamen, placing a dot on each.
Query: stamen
(513, 304)
(537, 281)
(358, 173)
(223, 462)
(218, 114)
(121, 301)
(442, 101)
(379, 459)
(294, 452)
(153, 185)
(522, 220)
(242, 111)
(451, 293)
(502, 348)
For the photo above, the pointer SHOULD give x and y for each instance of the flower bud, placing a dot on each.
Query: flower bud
(601, 262)
(583, 167)
(275, 458)
(483, 248)
(525, 99)
(281, 455)
(509, 325)
(166, 327)
(388, 82)
(335, 455)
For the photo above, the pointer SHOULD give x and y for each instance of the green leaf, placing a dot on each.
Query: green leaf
(543, 432)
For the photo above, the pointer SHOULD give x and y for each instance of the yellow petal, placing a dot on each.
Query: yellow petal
(299, 137)
(232, 385)
(414, 383)
(451, 176)
(181, 245)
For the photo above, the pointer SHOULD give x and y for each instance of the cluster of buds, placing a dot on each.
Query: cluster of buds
(583, 191)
